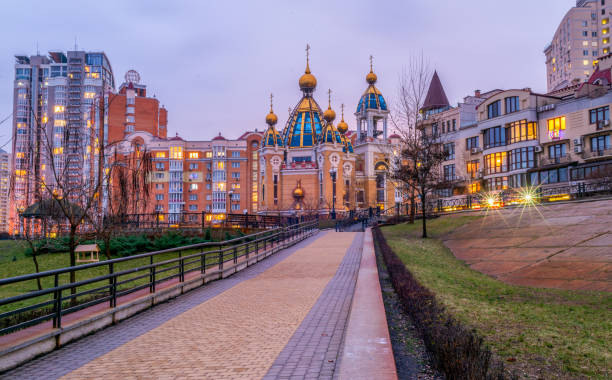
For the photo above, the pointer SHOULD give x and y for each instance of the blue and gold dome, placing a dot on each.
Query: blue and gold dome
(329, 134)
(372, 98)
(271, 136)
(348, 146)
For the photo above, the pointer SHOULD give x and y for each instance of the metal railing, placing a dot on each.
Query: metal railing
(121, 279)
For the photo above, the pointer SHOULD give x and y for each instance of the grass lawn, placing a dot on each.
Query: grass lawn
(10, 249)
(545, 333)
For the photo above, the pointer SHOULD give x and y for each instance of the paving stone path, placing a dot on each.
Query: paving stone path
(314, 348)
(235, 328)
(79, 353)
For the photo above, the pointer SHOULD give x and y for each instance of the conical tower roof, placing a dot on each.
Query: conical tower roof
(436, 98)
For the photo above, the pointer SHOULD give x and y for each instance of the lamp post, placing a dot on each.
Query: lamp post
(229, 201)
(332, 173)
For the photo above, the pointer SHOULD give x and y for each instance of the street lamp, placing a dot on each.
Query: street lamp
(332, 173)
(229, 201)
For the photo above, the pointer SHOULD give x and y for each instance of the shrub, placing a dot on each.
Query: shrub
(457, 351)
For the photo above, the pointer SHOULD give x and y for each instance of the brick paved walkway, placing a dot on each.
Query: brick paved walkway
(79, 353)
(314, 348)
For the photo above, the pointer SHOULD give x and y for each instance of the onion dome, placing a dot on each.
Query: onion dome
(271, 136)
(342, 125)
(372, 98)
(307, 82)
(298, 192)
(330, 135)
(271, 118)
(329, 115)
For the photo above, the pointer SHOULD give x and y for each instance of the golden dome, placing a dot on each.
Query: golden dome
(271, 118)
(329, 115)
(342, 126)
(371, 77)
(308, 81)
(298, 193)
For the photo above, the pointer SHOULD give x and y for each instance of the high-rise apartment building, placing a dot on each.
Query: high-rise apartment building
(5, 173)
(52, 122)
(130, 110)
(582, 36)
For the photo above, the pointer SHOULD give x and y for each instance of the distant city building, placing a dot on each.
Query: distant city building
(5, 175)
(52, 120)
(200, 178)
(130, 110)
(582, 36)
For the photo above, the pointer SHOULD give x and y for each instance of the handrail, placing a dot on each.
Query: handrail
(51, 272)
(112, 288)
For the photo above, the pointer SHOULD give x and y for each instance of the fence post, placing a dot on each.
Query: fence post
(181, 267)
(57, 305)
(203, 220)
(235, 255)
(151, 276)
(113, 279)
(220, 259)
(246, 247)
(203, 264)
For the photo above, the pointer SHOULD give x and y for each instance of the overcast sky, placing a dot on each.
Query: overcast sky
(213, 64)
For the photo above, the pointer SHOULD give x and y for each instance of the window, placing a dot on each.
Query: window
(585, 52)
(555, 126)
(176, 152)
(208, 186)
(159, 197)
(275, 189)
(600, 143)
(159, 166)
(517, 180)
(236, 154)
(599, 114)
(159, 186)
(193, 166)
(522, 158)
(236, 175)
(235, 165)
(130, 119)
(594, 171)
(193, 176)
(193, 186)
(236, 197)
(512, 104)
(159, 175)
(472, 168)
(193, 197)
(193, 207)
(493, 109)
(497, 183)
(549, 176)
(449, 149)
(208, 197)
(585, 33)
(160, 154)
(449, 172)
(496, 163)
(556, 151)
(434, 129)
(194, 155)
(471, 142)
(495, 136)
(584, 23)
(454, 124)
(522, 131)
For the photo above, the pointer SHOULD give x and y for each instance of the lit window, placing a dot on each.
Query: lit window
(20, 172)
(194, 155)
(59, 109)
(89, 95)
(585, 62)
(193, 186)
(160, 154)
(584, 43)
(208, 154)
(59, 150)
(555, 126)
(95, 75)
(20, 155)
(604, 21)
(605, 31)
(176, 152)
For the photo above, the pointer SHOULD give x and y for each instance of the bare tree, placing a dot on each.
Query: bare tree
(418, 167)
(406, 116)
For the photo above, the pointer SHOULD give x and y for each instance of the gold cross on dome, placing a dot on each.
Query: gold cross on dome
(371, 61)
(271, 97)
(329, 91)
(342, 106)
(307, 51)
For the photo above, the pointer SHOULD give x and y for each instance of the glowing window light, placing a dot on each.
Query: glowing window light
(58, 109)
(160, 154)
(194, 155)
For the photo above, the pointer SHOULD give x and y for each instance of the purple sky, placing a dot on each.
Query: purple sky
(214, 63)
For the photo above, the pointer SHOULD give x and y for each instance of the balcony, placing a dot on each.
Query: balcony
(548, 161)
(601, 153)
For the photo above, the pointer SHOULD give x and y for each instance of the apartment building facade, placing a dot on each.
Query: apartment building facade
(52, 122)
(5, 177)
(195, 178)
(582, 36)
(521, 139)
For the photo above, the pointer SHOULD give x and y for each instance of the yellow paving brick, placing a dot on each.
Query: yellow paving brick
(237, 334)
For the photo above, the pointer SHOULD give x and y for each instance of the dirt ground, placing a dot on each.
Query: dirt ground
(565, 246)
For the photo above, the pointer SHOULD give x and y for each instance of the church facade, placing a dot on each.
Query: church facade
(313, 165)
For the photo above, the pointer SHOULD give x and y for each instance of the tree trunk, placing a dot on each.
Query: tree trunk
(412, 207)
(424, 214)
(107, 240)
(37, 268)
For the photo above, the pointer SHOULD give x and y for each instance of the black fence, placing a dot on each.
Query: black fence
(106, 281)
